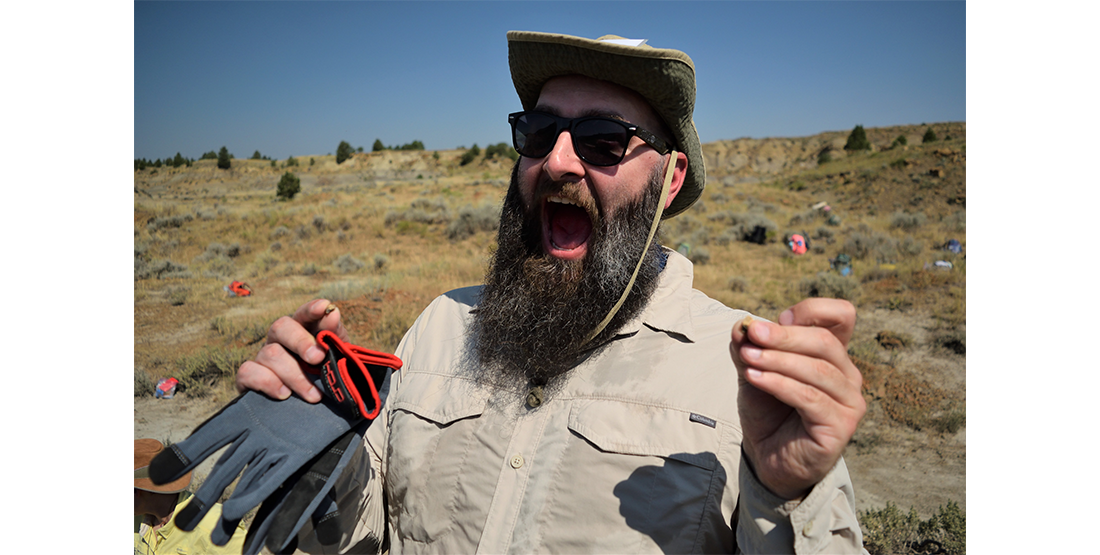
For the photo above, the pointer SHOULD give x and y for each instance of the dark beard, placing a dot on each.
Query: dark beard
(536, 310)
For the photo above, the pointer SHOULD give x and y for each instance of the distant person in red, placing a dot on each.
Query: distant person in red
(797, 244)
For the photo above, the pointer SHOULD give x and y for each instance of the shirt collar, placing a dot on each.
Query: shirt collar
(669, 309)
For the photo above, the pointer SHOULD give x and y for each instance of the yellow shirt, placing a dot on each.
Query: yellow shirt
(171, 540)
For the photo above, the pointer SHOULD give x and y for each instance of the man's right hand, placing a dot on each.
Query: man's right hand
(278, 369)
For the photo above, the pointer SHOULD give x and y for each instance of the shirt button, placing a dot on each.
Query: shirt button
(517, 461)
(534, 397)
(808, 528)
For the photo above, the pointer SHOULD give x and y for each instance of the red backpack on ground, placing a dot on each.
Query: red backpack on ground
(239, 289)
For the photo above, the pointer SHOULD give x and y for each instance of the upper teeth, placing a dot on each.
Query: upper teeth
(560, 200)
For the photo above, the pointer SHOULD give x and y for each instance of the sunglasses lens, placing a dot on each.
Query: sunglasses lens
(600, 142)
(535, 134)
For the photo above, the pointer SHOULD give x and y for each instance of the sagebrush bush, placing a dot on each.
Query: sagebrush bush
(280, 231)
(159, 269)
(168, 222)
(424, 211)
(888, 531)
(740, 225)
(177, 296)
(144, 384)
(809, 216)
(955, 222)
(737, 284)
(348, 264)
(869, 244)
(380, 261)
(904, 220)
(219, 268)
(830, 285)
(344, 290)
(205, 372)
(699, 255)
(471, 220)
(246, 333)
(217, 250)
(953, 341)
(265, 262)
(910, 247)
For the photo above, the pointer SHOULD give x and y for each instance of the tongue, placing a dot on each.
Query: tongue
(569, 226)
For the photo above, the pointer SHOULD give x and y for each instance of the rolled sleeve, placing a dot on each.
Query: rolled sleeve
(823, 522)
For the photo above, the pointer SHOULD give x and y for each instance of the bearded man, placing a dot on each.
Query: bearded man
(586, 398)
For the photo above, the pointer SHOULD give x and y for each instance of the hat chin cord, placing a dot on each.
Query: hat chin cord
(666, 184)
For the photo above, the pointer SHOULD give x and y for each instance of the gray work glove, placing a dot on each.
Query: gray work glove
(274, 438)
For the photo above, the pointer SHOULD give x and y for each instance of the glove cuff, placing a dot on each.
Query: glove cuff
(350, 375)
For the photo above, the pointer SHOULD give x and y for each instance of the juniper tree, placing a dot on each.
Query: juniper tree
(857, 140)
(223, 158)
(289, 186)
(343, 152)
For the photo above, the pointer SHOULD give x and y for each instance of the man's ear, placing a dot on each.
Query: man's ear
(678, 176)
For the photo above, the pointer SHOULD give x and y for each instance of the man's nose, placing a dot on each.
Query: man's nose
(563, 163)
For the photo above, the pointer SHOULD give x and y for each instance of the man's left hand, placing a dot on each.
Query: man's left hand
(799, 397)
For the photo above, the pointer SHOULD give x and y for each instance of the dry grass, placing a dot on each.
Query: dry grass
(384, 233)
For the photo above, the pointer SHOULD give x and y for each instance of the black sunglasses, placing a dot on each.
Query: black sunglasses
(597, 140)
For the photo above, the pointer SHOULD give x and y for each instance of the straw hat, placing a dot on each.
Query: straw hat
(664, 77)
(144, 451)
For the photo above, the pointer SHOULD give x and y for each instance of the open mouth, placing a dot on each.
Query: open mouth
(566, 228)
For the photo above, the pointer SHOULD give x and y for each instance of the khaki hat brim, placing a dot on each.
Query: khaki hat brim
(664, 77)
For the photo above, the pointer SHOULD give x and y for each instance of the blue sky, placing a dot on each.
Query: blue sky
(296, 78)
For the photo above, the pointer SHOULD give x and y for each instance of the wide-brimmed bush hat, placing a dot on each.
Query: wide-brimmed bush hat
(144, 451)
(664, 77)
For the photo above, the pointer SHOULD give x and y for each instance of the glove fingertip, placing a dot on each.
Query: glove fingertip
(328, 529)
(190, 515)
(223, 531)
(167, 466)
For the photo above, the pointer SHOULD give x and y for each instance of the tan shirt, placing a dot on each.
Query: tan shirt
(639, 452)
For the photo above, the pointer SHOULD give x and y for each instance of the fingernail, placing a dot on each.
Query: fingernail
(752, 373)
(786, 318)
(314, 355)
(284, 393)
(751, 353)
(763, 331)
(313, 395)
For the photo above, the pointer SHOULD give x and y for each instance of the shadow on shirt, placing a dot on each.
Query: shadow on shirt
(678, 505)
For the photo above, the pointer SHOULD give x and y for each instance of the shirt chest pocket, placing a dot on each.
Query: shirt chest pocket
(656, 469)
(433, 433)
